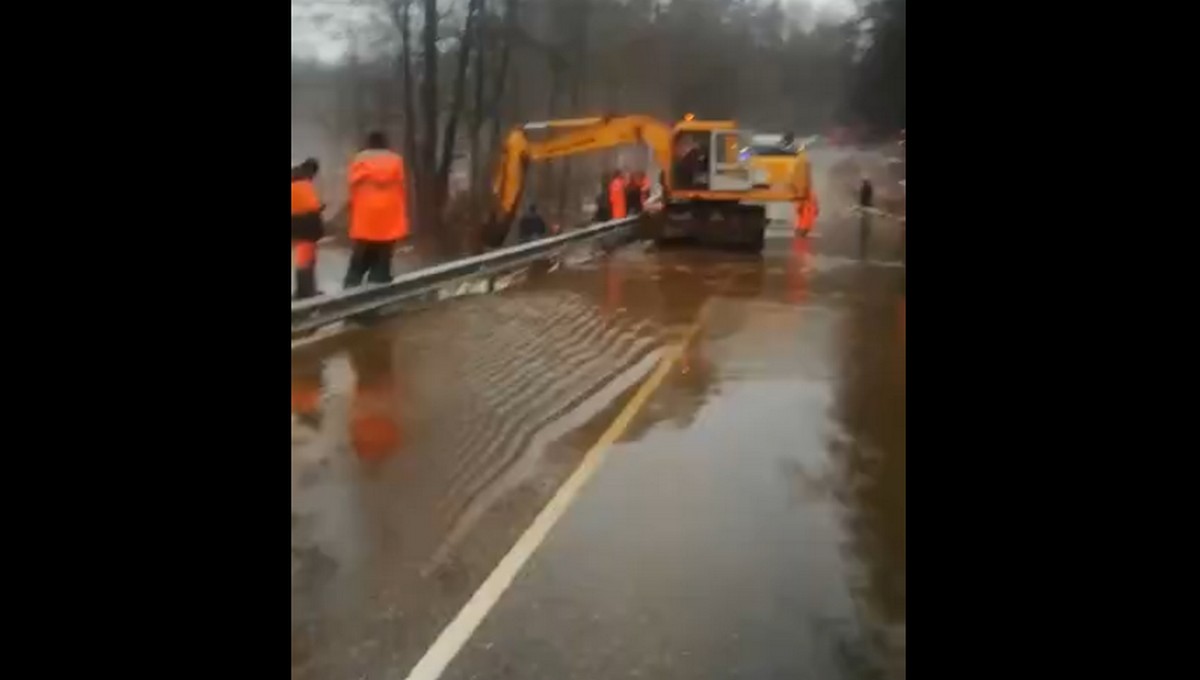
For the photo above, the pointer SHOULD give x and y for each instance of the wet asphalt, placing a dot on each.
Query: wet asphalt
(749, 523)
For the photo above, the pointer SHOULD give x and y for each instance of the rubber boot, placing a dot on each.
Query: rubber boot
(306, 283)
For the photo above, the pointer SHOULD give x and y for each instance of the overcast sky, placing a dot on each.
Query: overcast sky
(315, 23)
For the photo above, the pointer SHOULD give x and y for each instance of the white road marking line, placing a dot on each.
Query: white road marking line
(456, 634)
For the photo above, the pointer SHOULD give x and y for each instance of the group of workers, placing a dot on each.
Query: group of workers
(378, 208)
(622, 195)
(378, 216)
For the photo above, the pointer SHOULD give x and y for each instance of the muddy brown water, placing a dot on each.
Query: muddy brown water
(423, 447)
(749, 523)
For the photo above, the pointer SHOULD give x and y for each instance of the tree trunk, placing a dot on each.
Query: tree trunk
(578, 82)
(410, 110)
(460, 82)
(546, 177)
(477, 103)
(429, 106)
(510, 27)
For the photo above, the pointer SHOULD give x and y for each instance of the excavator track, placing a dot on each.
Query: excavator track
(720, 224)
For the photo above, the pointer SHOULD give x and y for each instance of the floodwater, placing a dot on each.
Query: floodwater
(749, 522)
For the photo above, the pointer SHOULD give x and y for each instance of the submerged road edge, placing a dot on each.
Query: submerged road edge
(456, 634)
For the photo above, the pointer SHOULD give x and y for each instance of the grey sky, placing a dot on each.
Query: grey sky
(318, 26)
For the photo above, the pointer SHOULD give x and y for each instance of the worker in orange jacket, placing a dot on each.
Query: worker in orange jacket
(378, 211)
(806, 214)
(307, 227)
(616, 195)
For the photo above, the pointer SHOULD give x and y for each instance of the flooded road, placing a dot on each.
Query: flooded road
(747, 522)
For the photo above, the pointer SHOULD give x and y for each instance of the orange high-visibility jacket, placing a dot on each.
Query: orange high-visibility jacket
(616, 197)
(306, 211)
(806, 213)
(378, 205)
(304, 198)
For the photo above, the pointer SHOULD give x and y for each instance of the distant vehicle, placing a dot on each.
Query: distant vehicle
(771, 145)
(778, 156)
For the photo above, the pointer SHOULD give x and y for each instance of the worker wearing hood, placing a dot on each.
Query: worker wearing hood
(307, 227)
(378, 210)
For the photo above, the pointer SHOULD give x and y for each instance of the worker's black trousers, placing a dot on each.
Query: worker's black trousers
(372, 259)
(306, 282)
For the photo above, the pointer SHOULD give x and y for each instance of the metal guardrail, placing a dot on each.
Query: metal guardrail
(858, 210)
(310, 314)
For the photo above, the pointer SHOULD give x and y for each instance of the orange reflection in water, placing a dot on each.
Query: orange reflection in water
(306, 393)
(375, 431)
(799, 266)
(612, 289)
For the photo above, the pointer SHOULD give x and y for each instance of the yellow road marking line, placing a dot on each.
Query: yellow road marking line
(456, 634)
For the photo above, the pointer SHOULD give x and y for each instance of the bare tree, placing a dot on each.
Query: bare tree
(449, 137)
(478, 77)
(427, 163)
(768, 64)
(511, 8)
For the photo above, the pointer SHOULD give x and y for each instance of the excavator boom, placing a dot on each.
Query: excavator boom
(580, 135)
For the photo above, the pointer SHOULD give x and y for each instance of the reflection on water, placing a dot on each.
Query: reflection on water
(431, 451)
(871, 458)
(374, 425)
(430, 443)
(306, 394)
(798, 270)
(841, 331)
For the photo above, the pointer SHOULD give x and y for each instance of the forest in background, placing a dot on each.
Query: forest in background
(446, 78)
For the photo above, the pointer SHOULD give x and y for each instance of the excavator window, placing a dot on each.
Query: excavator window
(730, 149)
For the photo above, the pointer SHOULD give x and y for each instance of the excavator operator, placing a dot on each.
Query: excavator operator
(691, 162)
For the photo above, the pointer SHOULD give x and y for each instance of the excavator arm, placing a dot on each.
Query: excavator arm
(568, 138)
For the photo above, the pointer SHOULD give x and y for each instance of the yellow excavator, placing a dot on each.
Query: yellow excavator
(710, 189)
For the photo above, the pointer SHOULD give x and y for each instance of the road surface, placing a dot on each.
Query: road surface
(710, 449)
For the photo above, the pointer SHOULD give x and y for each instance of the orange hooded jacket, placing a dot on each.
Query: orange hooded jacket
(306, 212)
(806, 213)
(616, 197)
(378, 204)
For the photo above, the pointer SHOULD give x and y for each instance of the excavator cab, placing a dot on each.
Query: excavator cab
(711, 157)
